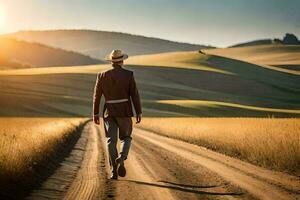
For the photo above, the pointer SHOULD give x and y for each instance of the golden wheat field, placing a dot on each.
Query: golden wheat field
(27, 141)
(269, 142)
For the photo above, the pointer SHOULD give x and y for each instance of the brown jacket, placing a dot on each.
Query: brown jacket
(114, 84)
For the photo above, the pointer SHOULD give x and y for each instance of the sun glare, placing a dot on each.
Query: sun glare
(2, 16)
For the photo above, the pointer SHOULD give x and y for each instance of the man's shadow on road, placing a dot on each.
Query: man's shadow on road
(184, 187)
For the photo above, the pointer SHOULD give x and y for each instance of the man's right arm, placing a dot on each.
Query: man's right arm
(97, 98)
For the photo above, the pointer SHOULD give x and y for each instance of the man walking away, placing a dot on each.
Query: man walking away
(119, 89)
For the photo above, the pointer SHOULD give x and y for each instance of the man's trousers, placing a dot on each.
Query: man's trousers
(117, 127)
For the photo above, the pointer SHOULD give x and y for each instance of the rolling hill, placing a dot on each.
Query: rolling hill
(7, 63)
(20, 54)
(99, 43)
(191, 84)
(285, 58)
(254, 43)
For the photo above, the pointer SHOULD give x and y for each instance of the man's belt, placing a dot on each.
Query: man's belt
(117, 101)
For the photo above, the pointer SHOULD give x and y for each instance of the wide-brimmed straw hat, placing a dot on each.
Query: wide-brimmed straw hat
(116, 56)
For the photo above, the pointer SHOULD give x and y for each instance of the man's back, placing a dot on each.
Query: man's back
(117, 84)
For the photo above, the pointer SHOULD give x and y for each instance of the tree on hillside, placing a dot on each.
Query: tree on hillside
(291, 39)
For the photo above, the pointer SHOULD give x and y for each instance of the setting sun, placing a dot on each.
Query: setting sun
(2, 16)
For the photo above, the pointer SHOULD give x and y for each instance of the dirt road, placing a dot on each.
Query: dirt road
(162, 168)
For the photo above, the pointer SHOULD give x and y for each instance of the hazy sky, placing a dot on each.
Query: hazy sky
(215, 22)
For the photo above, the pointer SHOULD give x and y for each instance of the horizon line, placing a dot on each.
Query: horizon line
(133, 34)
(109, 31)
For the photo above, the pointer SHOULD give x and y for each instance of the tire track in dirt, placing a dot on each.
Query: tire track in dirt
(55, 186)
(90, 180)
(82, 174)
(139, 181)
(183, 178)
(259, 182)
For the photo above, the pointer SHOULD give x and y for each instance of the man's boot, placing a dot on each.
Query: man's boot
(121, 166)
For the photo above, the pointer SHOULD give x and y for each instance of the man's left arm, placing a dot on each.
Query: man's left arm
(135, 97)
(96, 100)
